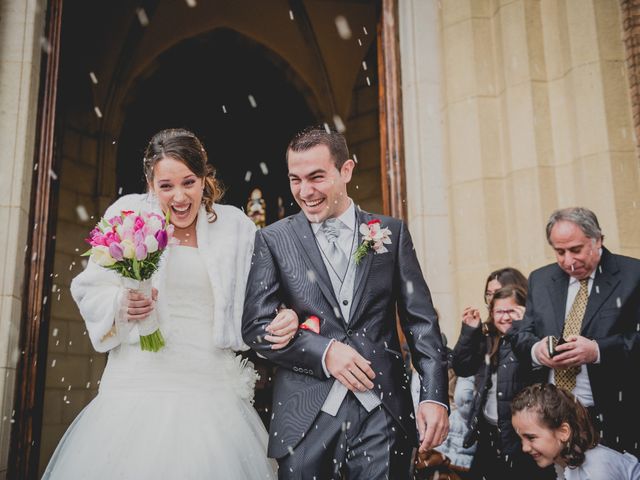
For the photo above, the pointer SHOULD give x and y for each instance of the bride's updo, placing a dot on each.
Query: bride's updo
(182, 145)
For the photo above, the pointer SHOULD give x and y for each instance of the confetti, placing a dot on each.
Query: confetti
(252, 101)
(409, 287)
(93, 78)
(45, 45)
(191, 3)
(291, 14)
(82, 213)
(337, 121)
(263, 167)
(247, 176)
(142, 17)
(343, 27)
(98, 112)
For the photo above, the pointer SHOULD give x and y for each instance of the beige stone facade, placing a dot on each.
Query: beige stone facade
(512, 108)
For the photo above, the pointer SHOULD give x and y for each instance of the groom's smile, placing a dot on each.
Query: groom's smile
(318, 186)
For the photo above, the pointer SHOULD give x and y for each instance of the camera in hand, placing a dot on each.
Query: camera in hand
(552, 343)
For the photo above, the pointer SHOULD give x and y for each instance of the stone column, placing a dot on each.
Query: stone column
(513, 108)
(21, 44)
(427, 172)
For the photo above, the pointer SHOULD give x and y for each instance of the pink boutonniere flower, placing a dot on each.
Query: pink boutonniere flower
(374, 237)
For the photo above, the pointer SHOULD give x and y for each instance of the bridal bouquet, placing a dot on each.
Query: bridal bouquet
(131, 244)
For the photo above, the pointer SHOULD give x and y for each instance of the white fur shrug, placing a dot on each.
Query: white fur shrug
(225, 245)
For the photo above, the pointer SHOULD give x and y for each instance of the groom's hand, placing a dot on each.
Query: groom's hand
(349, 367)
(433, 425)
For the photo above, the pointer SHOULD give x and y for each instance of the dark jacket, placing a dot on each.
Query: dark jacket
(612, 319)
(469, 359)
(284, 255)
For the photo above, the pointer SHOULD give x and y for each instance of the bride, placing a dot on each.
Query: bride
(184, 411)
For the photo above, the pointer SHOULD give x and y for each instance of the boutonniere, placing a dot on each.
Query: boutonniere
(374, 237)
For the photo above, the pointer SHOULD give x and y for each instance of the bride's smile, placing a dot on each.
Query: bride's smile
(179, 190)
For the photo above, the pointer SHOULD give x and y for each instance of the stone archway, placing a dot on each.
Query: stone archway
(87, 128)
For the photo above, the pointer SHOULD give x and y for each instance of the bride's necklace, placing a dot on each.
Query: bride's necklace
(186, 236)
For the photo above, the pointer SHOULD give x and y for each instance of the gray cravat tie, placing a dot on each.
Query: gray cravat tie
(338, 260)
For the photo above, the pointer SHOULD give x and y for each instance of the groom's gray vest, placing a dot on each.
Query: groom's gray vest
(344, 294)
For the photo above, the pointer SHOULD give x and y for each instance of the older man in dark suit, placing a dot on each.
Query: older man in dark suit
(342, 405)
(590, 301)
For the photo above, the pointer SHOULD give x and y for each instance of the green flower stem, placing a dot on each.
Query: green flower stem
(361, 251)
(153, 342)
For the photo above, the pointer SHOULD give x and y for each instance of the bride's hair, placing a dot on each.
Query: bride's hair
(182, 145)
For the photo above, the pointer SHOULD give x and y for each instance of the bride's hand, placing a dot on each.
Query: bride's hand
(282, 329)
(138, 306)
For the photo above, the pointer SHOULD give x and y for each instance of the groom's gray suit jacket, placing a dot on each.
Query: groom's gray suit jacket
(287, 269)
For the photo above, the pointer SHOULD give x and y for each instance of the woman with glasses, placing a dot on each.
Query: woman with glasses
(482, 351)
(500, 278)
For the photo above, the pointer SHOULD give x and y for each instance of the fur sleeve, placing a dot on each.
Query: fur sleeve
(98, 292)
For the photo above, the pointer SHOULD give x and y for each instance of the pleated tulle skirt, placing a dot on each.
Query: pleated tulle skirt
(155, 423)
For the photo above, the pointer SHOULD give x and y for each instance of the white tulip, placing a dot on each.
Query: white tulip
(128, 249)
(100, 254)
(151, 243)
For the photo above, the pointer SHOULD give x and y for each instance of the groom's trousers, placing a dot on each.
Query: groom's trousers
(353, 445)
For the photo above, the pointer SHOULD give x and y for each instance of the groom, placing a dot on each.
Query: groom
(342, 405)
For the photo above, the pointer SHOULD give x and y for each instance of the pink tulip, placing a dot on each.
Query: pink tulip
(96, 238)
(116, 251)
(141, 251)
(161, 237)
(138, 236)
(111, 237)
(138, 224)
(115, 221)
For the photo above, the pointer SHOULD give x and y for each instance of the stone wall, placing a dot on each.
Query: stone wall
(73, 367)
(531, 111)
(21, 30)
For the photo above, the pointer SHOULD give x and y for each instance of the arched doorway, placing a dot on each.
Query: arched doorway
(96, 141)
(236, 96)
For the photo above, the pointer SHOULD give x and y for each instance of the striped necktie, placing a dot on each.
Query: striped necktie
(566, 377)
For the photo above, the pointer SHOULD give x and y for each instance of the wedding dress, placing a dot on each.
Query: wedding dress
(181, 413)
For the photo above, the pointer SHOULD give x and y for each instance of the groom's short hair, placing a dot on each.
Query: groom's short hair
(320, 135)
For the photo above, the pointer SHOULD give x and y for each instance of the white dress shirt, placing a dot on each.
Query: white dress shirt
(582, 390)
